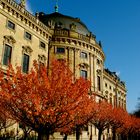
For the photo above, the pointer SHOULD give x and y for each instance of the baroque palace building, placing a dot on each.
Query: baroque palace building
(25, 37)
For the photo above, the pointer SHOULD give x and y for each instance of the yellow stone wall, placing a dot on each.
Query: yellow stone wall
(73, 43)
(22, 25)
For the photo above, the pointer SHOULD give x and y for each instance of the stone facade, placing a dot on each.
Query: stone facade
(25, 37)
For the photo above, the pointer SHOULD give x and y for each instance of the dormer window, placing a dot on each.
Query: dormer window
(58, 25)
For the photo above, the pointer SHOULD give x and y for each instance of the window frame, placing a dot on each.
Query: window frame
(6, 59)
(27, 37)
(41, 42)
(98, 62)
(25, 68)
(83, 55)
(9, 22)
(60, 52)
(83, 73)
(99, 83)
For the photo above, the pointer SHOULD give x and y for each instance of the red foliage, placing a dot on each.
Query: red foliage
(118, 118)
(102, 117)
(44, 102)
(131, 125)
(2, 118)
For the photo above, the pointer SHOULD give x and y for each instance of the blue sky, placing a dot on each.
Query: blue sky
(117, 24)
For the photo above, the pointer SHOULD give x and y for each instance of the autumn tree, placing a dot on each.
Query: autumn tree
(117, 120)
(131, 127)
(5, 121)
(2, 120)
(82, 118)
(45, 103)
(102, 117)
(26, 131)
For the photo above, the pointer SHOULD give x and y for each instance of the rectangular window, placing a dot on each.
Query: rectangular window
(28, 36)
(110, 100)
(7, 55)
(98, 61)
(42, 45)
(25, 66)
(98, 83)
(60, 50)
(83, 55)
(83, 74)
(11, 25)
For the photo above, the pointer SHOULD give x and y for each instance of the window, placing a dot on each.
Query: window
(60, 50)
(11, 25)
(7, 55)
(99, 83)
(98, 61)
(83, 73)
(25, 66)
(105, 84)
(110, 100)
(83, 55)
(114, 89)
(28, 36)
(42, 45)
(110, 87)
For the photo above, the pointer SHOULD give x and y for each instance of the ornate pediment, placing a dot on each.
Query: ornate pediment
(27, 49)
(42, 58)
(99, 72)
(73, 26)
(9, 39)
(84, 65)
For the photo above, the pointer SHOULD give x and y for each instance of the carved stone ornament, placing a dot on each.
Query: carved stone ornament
(73, 26)
(27, 49)
(99, 72)
(42, 58)
(51, 24)
(23, 3)
(84, 65)
(9, 39)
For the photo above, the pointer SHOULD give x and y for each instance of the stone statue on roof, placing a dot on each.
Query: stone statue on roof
(23, 3)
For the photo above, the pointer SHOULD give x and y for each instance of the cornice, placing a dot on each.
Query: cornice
(66, 39)
(114, 81)
(20, 12)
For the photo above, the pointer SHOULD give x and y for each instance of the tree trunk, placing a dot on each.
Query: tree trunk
(25, 136)
(114, 134)
(77, 132)
(99, 134)
(43, 136)
(65, 137)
